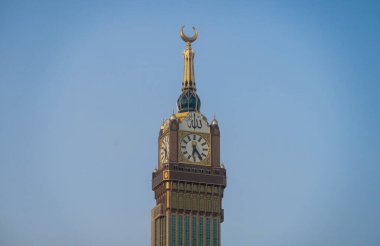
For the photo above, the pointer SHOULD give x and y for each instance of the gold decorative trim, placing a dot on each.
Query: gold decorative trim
(163, 136)
(166, 175)
(182, 115)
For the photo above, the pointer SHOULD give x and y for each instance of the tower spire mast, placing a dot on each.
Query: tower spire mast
(188, 101)
(188, 82)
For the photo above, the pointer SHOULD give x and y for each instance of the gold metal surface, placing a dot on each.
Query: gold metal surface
(165, 126)
(181, 116)
(187, 39)
(188, 55)
(166, 175)
(160, 161)
(167, 199)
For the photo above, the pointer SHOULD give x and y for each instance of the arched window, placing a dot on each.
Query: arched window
(174, 200)
(188, 205)
(180, 201)
(216, 205)
(201, 204)
(208, 205)
(195, 203)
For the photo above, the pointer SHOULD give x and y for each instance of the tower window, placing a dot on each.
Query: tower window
(201, 204)
(174, 200)
(208, 205)
(180, 201)
(215, 232)
(188, 205)
(216, 205)
(215, 189)
(195, 203)
(180, 231)
(194, 231)
(201, 231)
(187, 230)
(173, 230)
(208, 241)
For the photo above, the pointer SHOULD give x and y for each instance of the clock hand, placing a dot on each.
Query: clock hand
(194, 149)
(199, 155)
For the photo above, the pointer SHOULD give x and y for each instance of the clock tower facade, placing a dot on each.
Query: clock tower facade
(189, 182)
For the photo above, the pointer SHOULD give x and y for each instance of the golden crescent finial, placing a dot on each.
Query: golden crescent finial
(186, 38)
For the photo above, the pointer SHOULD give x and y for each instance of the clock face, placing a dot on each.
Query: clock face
(194, 148)
(164, 150)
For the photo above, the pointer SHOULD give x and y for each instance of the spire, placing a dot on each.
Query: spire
(188, 100)
(188, 55)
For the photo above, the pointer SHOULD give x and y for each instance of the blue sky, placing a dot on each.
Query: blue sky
(84, 86)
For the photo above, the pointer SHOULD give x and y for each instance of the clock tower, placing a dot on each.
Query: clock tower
(189, 182)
